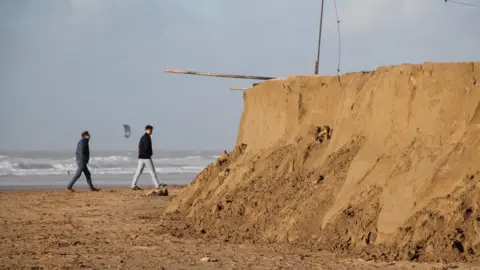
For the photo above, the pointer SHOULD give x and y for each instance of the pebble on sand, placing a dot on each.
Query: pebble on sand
(159, 192)
(207, 259)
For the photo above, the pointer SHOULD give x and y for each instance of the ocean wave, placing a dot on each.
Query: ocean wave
(112, 171)
(110, 158)
(5, 165)
(113, 164)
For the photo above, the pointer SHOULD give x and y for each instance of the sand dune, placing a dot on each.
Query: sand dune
(382, 164)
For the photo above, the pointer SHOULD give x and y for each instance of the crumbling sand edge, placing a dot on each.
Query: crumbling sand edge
(398, 173)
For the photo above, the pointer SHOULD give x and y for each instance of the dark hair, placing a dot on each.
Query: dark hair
(85, 133)
(148, 127)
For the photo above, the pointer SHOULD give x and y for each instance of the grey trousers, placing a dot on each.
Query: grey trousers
(81, 168)
(141, 165)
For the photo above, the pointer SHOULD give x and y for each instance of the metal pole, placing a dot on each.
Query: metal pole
(319, 39)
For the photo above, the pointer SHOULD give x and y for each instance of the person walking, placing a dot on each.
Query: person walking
(145, 153)
(82, 158)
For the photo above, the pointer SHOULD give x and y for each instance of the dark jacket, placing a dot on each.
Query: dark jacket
(83, 152)
(145, 147)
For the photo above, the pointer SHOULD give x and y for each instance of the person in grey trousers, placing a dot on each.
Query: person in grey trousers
(82, 158)
(145, 153)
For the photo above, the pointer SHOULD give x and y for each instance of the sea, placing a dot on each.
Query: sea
(52, 170)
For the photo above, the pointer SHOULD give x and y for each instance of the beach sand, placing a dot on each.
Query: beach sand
(122, 229)
(30, 182)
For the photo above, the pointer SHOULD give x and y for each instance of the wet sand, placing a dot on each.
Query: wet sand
(122, 229)
(30, 182)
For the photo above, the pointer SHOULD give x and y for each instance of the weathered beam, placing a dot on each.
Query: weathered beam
(211, 74)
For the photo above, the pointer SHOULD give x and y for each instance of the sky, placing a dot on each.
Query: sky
(73, 65)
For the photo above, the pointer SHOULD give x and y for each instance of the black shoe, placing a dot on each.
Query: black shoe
(95, 189)
(136, 188)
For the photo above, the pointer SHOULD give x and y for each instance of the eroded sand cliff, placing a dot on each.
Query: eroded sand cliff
(385, 164)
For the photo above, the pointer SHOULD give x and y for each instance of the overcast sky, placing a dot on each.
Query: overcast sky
(70, 65)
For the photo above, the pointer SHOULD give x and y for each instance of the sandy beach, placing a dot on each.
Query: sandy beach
(324, 186)
(289, 135)
(123, 229)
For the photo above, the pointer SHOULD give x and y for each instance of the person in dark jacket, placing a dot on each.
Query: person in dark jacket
(145, 153)
(82, 158)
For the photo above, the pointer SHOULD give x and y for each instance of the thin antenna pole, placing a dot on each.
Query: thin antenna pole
(319, 39)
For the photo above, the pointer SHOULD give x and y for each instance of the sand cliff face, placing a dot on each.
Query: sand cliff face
(384, 163)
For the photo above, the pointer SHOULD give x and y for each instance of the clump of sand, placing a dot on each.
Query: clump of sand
(382, 164)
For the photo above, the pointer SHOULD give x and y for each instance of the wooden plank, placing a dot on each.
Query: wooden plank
(211, 74)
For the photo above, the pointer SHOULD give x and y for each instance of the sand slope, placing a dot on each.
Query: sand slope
(385, 164)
